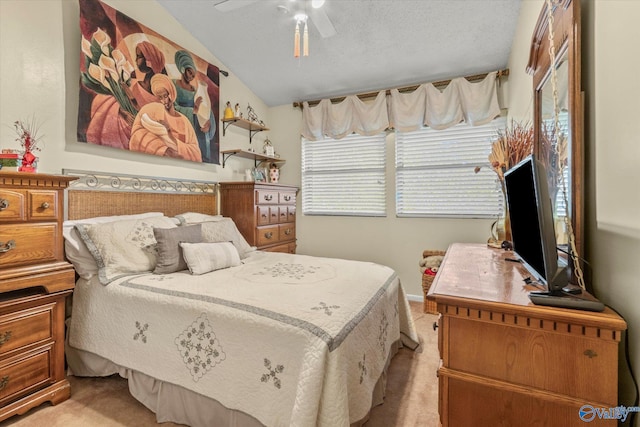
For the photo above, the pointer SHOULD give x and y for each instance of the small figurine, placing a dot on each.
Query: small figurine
(238, 113)
(228, 112)
(251, 114)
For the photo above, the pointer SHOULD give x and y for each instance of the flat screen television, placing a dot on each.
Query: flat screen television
(534, 237)
(532, 224)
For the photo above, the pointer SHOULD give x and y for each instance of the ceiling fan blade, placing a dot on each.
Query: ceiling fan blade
(227, 5)
(322, 22)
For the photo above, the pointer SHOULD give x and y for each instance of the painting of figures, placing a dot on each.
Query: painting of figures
(141, 92)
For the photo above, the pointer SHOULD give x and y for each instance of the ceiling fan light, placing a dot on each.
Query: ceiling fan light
(317, 3)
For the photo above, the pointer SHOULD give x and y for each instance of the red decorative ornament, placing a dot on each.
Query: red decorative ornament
(28, 159)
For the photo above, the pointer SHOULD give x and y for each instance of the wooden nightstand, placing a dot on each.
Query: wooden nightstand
(264, 213)
(34, 283)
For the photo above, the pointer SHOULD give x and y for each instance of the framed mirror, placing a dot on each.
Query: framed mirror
(560, 145)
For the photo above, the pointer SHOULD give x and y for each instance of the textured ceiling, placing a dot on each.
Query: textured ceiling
(379, 44)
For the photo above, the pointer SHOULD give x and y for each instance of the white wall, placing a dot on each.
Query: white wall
(39, 65)
(612, 90)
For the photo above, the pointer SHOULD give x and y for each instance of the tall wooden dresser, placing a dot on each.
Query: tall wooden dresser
(35, 280)
(264, 213)
(507, 362)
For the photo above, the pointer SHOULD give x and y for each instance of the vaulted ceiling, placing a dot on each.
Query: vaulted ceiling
(378, 44)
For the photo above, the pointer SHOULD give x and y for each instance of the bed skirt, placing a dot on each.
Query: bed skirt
(173, 403)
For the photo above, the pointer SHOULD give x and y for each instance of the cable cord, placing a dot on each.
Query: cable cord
(636, 402)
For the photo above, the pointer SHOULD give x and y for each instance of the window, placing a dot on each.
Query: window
(344, 176)
(435, 174)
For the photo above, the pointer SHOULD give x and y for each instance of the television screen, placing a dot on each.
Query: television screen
(532, 224)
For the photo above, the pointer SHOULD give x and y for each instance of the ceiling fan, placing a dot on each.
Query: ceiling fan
(315, 13)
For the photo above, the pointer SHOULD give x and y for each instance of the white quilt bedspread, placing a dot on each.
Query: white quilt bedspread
(292, 340)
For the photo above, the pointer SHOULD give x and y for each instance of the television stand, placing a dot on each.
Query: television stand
(563, 300)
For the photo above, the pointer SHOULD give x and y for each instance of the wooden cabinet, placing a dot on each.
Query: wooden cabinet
(505, 361)
(35, 280)
(264, 213)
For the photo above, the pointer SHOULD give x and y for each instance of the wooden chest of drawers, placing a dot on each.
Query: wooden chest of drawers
(34, 283)
(505, 361)
(264, 213)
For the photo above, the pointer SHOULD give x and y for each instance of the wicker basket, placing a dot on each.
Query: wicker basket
(429, 306)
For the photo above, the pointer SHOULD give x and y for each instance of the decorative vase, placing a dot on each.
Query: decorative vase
(274, 173)
(503, 224)
(28, 162)
(501, 227)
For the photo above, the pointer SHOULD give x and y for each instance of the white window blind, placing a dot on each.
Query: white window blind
(435, 174)
(344, 176)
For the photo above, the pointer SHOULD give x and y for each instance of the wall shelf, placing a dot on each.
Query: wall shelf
(257, 158)
(252, 127)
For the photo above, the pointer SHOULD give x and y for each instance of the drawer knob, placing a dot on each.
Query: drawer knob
(287, 198)
(268, 234)
(4, 204)
(287, 231)
(44, 205)
(6, 247)
(268, 197)
(4, 381)
(5, 337)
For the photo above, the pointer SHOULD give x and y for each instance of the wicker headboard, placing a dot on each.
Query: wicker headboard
(106, 194)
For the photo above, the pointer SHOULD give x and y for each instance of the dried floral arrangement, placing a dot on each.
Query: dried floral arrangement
(27, 131)
(512, 145)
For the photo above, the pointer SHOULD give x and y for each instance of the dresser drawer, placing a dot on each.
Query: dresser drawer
(504, 352)
(282, 210)
(291, 213)
(287, 197)
(25, 327)
(288, 248)
(267, 235)
(24, 375)
(274, 216)
(28, 205)
(287, 232)
(12, 205)
(22, 244)
(263, 215)
(266, 197)
(43, 204)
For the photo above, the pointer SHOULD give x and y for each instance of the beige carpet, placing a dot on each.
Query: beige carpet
(411, 400)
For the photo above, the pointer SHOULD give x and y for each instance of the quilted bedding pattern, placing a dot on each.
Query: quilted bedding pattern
(290, 339)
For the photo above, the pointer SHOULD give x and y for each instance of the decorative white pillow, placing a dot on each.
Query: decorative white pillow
(76, 251)
(122, 248)
(195, 217)
(205, 257)
(225, 230)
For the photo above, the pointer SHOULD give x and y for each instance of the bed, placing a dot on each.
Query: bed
(239, 337)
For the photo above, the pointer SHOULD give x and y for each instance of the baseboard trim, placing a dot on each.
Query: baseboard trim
(418, 298)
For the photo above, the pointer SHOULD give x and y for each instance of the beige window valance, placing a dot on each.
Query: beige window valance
(475, 103)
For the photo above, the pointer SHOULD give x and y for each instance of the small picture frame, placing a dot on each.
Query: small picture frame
(269, 151)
